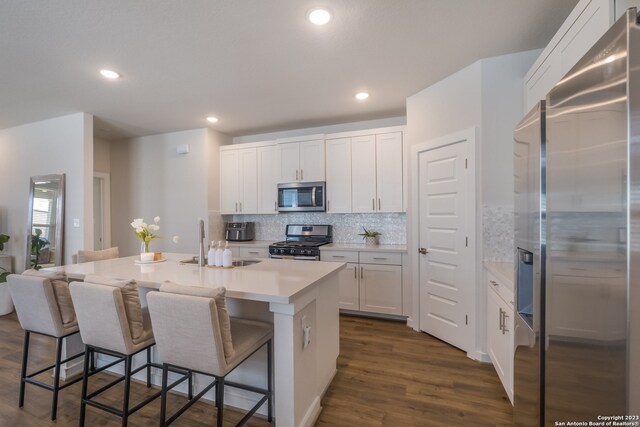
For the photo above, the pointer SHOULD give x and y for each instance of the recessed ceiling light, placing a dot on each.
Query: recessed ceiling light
(109, 74)
(361, 96)
(319, 16)
(212, 119)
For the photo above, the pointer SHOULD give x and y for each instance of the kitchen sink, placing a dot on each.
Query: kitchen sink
(236, 263)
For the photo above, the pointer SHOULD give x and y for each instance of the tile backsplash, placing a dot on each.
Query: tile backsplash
(346, 227)
(498, 233)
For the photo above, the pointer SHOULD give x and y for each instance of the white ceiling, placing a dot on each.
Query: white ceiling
(256, 64)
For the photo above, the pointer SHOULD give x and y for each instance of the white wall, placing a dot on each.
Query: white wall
(101, 155)
(342, 127)
(148, 179)
(54, 146)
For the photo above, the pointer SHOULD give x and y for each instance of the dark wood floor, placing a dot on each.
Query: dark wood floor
(388, 375)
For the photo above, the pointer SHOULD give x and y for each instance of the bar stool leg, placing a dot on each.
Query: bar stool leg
(270, 380)
(220, 399)
(190, 384)
(163, 396)
(23, 370)
(148, 367)
(56, 379)
(93, 361)
(127, 387)
(85, 383)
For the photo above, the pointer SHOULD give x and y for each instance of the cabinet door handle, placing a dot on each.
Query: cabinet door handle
(328, 205)
(240, 206)
(362, 272)
(494, 283)
(380, 258)
(355, 273)
(379, 204)
(373, 204)
(301, 174)
(275, 206)
(338, 256)
(504, 322)
(254, 253)
(296, 174)
(236, 206)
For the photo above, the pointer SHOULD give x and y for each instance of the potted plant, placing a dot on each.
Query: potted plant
(370, 237)
(6, 304)
(38, 243)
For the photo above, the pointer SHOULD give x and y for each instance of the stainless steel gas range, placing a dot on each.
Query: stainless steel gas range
(303, 242)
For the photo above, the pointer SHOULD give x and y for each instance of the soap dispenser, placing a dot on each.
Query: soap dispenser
(211, 255)
(219, 251)
(227, 258)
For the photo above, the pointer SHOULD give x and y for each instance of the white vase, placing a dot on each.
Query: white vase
(371, 241)
(6, 303)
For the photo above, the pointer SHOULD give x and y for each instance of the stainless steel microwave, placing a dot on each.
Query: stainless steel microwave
(301, 197)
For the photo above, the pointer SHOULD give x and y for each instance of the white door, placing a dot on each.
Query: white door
(229, 185)
(268, 168)
(312, 160)
(289, 162)
(339, 175)
(248, 178)
(389, 172)
(381, 288)
(363, 173)
(446, 191)
(349, 294)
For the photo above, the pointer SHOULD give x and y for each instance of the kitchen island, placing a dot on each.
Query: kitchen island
(291, 294)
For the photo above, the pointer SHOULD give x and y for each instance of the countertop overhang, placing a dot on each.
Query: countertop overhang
(270, 280)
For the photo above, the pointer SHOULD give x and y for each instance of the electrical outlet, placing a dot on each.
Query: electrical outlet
(76, 222)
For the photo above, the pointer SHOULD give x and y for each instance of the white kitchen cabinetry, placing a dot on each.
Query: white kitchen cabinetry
(268, 167)
(588, 21)
(500, 323)
(372, 281)
(254, 252)
(338, 175)
(302, 161)
(376, 172)
(238, 181)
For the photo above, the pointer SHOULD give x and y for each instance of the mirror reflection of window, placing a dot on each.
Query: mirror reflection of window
(44, 215)
(46, 219)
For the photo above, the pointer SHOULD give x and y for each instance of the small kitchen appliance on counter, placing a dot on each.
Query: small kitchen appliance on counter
(240, 231)
(303, 242)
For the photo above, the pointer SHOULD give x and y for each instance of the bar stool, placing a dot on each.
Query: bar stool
(112, 322)
(44, 307)
(88, 256)
(194, 332)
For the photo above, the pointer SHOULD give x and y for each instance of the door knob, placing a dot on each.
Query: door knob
(423, 251)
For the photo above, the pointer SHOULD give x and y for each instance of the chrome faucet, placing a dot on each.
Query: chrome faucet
(202, 258)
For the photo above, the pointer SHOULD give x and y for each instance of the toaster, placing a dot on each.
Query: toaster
(240, 231)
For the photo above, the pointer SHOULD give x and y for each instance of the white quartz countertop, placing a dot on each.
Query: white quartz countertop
(360, 247)
(503, 271)
(271, 280)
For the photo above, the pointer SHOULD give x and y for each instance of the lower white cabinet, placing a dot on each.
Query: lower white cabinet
(371, 282)
(500, 324)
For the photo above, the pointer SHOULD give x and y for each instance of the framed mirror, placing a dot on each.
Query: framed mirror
(46, 221)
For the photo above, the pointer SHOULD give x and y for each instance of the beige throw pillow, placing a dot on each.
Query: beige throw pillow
(131, 298)
(60, 291)
(218, 294)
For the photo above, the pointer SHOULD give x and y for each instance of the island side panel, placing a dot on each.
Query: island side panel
(303, 374)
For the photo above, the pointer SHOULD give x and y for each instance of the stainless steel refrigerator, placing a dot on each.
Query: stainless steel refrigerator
(590, 358)
(529, 202)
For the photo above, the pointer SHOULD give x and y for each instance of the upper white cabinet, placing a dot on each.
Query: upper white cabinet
(377, 173)
(339, 175)
(588, 21)
(268, 168)
(302, 161)
(238, 181)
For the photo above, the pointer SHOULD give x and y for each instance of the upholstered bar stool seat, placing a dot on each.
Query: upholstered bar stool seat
(43, 305)
(194, 332)
(112, 322)
(101, 255)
